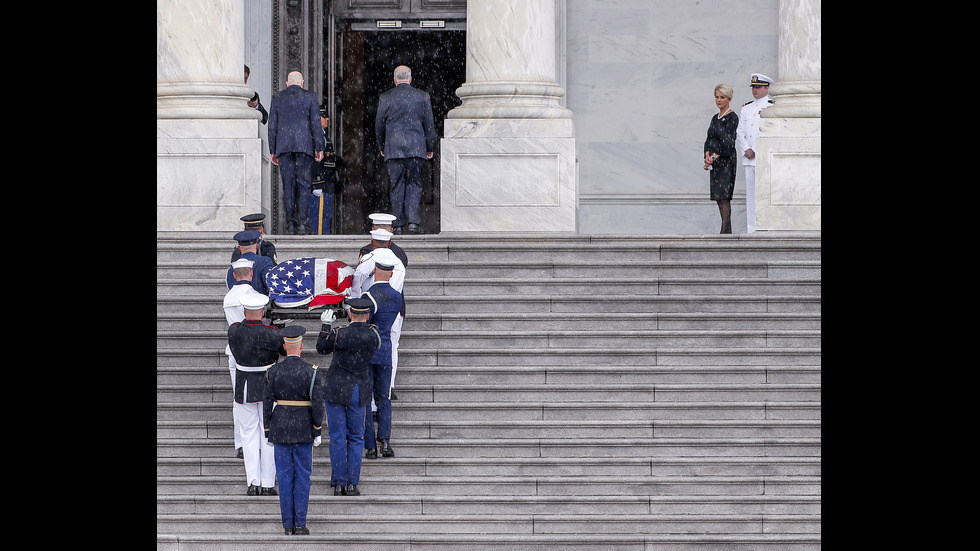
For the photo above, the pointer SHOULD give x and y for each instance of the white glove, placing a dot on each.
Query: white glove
(328, 316)
(316, 441)
(317, 192)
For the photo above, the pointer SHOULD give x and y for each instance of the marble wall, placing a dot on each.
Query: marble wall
(640, 78)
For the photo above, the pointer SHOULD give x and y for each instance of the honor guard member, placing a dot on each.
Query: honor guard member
(364, 282)
(347, 390)
(383, 221)
(257, 222)
(256, 347)
(248, 242)
(324, 183)
(747, 134)
(293, 412)
(234, 312)
(386, 304)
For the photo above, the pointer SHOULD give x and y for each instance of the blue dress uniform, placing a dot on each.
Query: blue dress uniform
(255, 347)
(347, 392)
(266, 248)
(385, 309)
(261, 264)
(293, 410)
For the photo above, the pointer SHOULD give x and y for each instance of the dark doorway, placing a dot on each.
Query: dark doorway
(365, 70)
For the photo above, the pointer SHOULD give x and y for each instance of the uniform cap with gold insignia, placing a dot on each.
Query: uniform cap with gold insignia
(253, 221)
(292, 333)
(759, 79)
(382, 219)
(359, 305)
(323, 111)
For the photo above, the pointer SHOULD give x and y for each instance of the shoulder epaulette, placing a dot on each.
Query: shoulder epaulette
(772, 101)
(746, 103)
(315, 366)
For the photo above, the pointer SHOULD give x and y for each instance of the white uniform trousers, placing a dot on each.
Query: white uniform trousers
(260, 457)
(396, 332)
(232, 366)
(749, 197)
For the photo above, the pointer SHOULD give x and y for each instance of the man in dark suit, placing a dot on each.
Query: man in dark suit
(295, 141)
(406, 137)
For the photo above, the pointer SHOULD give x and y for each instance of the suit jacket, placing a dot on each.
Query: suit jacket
(352, 348)
(294, 122)
(404, 126)
(291, 379)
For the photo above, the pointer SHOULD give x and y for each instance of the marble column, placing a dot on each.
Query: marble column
(208, 147)
(788, 167)
(508, 152)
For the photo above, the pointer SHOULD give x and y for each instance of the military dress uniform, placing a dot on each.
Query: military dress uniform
(386, 305)
(261, 266)
(347, 393)
(324, 180)
(266, 248)
(747, 134)
(256, 347)
(293, 412)
(234, 312)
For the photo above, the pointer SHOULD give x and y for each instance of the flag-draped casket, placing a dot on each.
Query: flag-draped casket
(309, 282)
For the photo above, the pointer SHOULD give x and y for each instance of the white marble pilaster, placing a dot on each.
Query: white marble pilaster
(208, 148)
(508, 152)
(788, 166)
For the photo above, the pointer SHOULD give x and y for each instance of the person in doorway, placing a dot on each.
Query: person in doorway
(406, 137)
(254, 103)
(292, 408)
(256, 222)
(747, 133)
(348, 390)
(324, 183)
(256, 347)
(719, 155)
(295, 141)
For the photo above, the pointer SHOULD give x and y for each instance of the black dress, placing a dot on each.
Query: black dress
(721, 140)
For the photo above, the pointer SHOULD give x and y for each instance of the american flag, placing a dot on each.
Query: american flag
(309, 282)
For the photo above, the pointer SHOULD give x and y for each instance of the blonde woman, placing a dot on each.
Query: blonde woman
(720, 155)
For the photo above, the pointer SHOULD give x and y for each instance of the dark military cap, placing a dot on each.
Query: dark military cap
(323, 110)
(253, 220)
(360, 305)
(387, 267)
(292, 333)
(247, 237)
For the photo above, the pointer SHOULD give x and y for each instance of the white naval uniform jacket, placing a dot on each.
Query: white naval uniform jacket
(748, 126)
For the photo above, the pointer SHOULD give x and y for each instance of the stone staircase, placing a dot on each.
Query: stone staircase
(554, 392)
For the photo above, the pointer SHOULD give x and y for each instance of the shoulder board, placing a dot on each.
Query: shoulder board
(315, 367)
(746, 103)
(772, 101)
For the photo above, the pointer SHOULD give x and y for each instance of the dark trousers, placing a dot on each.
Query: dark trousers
(294, 463)
(315, 220)
(294, 171)
(345, 424)
(381, 386)
(406, 189)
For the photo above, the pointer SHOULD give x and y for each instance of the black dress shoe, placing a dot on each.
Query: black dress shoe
(371, 454)
(239, 453)
(301, 531)
(386, 450)
(397, 230)
(414, 228)
(352, 490)
(339, 491)
(393, 395)
(288, 531)
(269, 492)
(253, 490)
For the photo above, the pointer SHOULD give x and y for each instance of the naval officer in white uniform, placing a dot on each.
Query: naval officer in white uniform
(747, 134)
